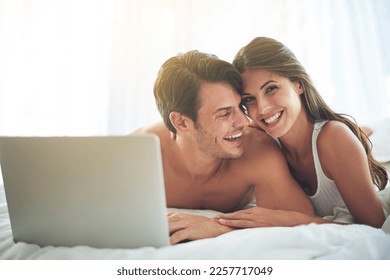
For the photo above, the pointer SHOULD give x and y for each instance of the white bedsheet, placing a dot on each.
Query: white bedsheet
(302, 242)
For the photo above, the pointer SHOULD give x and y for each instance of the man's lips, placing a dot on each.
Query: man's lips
(233, 137)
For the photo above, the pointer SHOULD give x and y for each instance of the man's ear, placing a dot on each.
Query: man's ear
(179, 121)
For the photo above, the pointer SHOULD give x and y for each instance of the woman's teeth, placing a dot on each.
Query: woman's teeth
(273, 119)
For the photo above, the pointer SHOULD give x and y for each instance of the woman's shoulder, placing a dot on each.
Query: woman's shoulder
(336, 137)
(334, 130)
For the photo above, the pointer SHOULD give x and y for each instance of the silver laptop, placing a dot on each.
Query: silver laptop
(104, 192)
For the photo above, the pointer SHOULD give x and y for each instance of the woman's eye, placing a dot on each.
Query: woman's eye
(247, 99)
(270, 89)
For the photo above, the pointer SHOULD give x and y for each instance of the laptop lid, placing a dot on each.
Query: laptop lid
(104, 192)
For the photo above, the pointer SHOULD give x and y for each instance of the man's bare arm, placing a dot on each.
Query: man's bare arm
(188, 227)
(275, 187)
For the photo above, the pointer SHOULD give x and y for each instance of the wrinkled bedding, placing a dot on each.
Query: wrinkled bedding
(330, 241)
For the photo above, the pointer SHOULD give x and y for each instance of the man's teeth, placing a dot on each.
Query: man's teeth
(234, 137)
(273, 118)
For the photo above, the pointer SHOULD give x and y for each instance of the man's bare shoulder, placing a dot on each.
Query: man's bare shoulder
(257, 142)
(261, 153)
(158, 128)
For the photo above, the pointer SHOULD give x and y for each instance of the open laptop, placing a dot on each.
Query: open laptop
(104, 192)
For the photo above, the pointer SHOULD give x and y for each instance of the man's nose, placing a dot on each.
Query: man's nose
(241, 119)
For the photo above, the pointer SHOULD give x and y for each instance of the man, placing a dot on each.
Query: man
(212, 158)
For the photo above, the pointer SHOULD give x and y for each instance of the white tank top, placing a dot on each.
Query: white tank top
(327, 196)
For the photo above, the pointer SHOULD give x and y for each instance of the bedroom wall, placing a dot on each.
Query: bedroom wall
(87, 67)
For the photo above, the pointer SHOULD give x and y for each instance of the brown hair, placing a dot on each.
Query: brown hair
(178, 81)
(267, 53)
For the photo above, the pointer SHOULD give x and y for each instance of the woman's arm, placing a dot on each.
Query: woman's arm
(344, 160)
(264, 217)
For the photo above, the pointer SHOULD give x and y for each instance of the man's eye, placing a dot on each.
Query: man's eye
(247, 99)
(227, 114)
(223, 115)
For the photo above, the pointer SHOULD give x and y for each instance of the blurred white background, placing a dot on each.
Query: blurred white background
(87, 67)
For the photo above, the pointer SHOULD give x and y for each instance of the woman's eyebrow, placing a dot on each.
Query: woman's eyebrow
(263, 86)
(266, 83)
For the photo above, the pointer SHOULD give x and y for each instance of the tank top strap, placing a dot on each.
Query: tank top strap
(317, 164)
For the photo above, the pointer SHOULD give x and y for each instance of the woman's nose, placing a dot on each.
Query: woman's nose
(262, 106)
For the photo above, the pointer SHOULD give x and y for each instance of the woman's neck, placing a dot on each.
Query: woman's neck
(297, 142)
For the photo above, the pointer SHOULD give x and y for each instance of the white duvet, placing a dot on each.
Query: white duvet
(312, 241)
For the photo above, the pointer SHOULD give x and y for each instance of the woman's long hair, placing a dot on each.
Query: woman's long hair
(267, 53)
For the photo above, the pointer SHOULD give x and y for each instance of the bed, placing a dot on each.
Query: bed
(311, 241)
(329, 241)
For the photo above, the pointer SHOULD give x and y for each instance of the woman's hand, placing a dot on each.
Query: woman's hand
(263, 217)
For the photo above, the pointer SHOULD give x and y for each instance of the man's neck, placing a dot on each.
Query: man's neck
(193, 162)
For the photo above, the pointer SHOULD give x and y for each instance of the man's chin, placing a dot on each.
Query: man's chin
(235, 155)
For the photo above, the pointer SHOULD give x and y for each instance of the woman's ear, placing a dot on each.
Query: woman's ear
(179, 121)
(299, 87)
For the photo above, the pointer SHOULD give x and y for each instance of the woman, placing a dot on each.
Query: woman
(327, 153)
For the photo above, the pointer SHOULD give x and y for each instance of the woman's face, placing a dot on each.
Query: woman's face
(272, 101)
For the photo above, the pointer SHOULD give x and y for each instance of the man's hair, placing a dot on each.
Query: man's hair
(176, 88)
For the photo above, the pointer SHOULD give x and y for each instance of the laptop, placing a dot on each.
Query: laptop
(104, 192)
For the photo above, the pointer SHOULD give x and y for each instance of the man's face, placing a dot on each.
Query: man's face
(220, 122)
